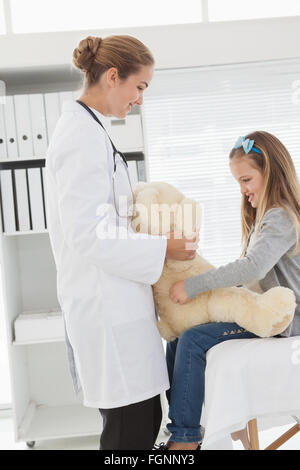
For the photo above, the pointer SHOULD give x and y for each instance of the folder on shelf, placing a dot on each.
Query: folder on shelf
(22, 199)
(3, 146)
(38, 326)
(23, 124)
(52, 109)
(10, 126)
(44, 194)
(38, 121)
(36, 198)
(7, 201)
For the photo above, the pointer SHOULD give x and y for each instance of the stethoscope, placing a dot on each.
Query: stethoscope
(115, 153)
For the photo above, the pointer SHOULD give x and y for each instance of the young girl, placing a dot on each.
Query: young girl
(270, 257)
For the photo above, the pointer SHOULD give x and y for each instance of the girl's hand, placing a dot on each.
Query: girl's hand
(177, 293)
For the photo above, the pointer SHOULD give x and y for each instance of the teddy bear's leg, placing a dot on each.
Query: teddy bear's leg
(166, 331)
(283, 314)
(281, 326)
(261, 314)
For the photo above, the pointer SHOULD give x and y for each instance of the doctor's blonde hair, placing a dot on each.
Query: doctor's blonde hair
(95, 55)
(281, 185)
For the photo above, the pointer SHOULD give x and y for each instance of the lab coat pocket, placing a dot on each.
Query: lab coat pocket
(141, 356)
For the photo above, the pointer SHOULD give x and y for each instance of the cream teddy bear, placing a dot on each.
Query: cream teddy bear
(161, 208)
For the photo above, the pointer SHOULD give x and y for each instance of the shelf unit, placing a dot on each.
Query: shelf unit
(44, 403)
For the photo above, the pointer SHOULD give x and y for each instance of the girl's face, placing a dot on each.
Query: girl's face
(129, 92)
(250, 179)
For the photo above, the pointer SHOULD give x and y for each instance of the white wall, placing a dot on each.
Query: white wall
(173, 46)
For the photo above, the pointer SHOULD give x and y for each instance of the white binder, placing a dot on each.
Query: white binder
(22, 200)
(65, 96)
(10, 126)
(7, 200)
(132, 168)
(45, 193)
(3, 145)
(38, 121)
(23, 124)
(36, 198)
(52, 109)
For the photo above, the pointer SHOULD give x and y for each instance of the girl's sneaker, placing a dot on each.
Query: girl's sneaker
(163, 446)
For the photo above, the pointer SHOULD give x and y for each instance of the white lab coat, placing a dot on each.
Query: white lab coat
(104, 285)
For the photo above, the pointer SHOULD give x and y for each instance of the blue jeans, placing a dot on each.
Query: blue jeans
(186, 361)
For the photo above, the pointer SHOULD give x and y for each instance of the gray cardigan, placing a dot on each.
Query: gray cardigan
(266, 261)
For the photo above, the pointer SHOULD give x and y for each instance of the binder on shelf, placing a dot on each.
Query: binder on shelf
(7, 202)
(11, 132)
(52, 110)
(36, 198)
(23, 124)
(22, 199)
(38, 120)
(44, 181)
(44, 194)
(3, 144)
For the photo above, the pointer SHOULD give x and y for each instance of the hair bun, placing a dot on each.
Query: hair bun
(84, 55)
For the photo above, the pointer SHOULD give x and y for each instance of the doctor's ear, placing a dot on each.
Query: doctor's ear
(112, 77)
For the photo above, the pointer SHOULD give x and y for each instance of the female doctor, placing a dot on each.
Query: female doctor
(104, 282)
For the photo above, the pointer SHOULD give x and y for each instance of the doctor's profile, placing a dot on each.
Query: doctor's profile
(115, 351)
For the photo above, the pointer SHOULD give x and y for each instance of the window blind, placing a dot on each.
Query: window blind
(192, 118)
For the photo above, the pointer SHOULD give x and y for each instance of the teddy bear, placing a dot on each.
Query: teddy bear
(160, 209)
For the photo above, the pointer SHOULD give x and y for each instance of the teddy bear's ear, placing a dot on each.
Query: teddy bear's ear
(138, 188)
(188, 217)
(147, 195)
(146, 201)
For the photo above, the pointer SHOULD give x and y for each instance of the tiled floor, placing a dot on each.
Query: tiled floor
(92, 443)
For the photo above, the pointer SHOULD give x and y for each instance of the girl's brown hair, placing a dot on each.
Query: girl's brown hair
(95, 55)
(281, 185)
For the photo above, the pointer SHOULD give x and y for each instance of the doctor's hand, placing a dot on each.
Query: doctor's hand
(181, 248)
(177, 293)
